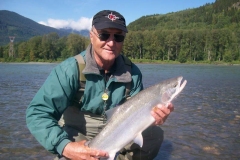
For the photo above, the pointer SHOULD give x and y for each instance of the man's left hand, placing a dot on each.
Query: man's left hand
(160, 113)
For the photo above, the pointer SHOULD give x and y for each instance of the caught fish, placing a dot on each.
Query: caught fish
(130, 119)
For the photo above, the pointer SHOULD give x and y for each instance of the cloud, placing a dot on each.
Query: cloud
(82, 24)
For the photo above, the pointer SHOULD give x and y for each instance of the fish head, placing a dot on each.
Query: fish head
(169, 89)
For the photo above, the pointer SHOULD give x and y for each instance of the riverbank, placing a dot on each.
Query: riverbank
(137, 61)
(203, 125)
(187, 62)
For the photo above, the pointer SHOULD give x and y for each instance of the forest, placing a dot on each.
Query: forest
(209, 33)
(46, 48)
(184, 45)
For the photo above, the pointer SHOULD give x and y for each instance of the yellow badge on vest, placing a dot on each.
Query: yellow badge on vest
(105, 96)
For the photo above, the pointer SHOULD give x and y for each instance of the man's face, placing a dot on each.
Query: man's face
(107, 50)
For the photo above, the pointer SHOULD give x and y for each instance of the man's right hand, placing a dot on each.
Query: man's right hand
(79, 151)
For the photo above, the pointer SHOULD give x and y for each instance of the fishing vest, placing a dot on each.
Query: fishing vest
(71, 115)
(82, 79)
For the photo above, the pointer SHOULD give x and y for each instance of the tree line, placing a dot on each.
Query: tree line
(165, 45)
(49, 47)
(184, 45)
(207, 33)
(218, 15)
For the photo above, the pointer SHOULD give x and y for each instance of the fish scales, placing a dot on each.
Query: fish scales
(132, 117)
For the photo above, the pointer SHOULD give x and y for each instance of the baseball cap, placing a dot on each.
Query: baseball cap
(109, 19)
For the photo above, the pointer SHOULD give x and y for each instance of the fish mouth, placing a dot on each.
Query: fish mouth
(174, 89)
(179, 87)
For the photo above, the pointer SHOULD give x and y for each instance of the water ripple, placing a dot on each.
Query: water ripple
(204, 125)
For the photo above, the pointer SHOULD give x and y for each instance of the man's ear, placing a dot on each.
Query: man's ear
(91, 36)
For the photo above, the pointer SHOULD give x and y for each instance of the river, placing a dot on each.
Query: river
(204, 125)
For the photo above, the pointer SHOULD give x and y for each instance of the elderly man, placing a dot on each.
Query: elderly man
(110, 78)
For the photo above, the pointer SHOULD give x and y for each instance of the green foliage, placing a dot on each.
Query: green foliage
(221, 14)
(183, 45)
(208, 34)
(46, 48)
(13, 24)
(228, 56)
(1, 52)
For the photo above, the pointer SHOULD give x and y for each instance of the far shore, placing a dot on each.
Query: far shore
(138, 61)
(30, 62)
(220, 64)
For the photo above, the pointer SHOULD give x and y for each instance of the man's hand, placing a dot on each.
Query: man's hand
(160, 113)
(79, 151)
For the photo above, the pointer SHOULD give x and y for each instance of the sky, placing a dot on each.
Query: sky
(77, 14)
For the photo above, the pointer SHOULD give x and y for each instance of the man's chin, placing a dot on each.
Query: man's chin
(110, 57)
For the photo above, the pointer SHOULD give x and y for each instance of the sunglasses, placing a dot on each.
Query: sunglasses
(105, 36)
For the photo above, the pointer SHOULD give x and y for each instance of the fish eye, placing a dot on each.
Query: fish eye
(175, 85)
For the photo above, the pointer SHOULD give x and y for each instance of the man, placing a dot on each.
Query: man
(107, 78)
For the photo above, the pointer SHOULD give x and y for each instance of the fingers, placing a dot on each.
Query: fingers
(97, 153)
(158, 119)
(94, 152)
(78, 150)
(171, 107)
(160, 113)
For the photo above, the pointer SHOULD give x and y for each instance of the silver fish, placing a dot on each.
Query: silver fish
(130, 119)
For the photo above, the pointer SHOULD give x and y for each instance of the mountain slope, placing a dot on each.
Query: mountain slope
(220, 14)
(13, 24)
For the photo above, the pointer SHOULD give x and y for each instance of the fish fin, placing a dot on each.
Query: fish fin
(111, 157)
(139, 139)
(110, 112)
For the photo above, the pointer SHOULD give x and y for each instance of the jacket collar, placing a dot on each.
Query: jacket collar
(119, 71)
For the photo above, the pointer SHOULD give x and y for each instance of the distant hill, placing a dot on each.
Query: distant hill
(217, 15)
(13, 24)
(84, 33)
(220, 14)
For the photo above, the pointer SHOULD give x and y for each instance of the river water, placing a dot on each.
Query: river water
(204, 125)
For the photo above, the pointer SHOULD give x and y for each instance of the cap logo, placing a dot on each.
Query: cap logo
(112, 17)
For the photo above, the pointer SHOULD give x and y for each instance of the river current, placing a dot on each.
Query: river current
(204, 125)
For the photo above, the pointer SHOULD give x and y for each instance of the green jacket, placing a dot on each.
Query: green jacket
(59, 89)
